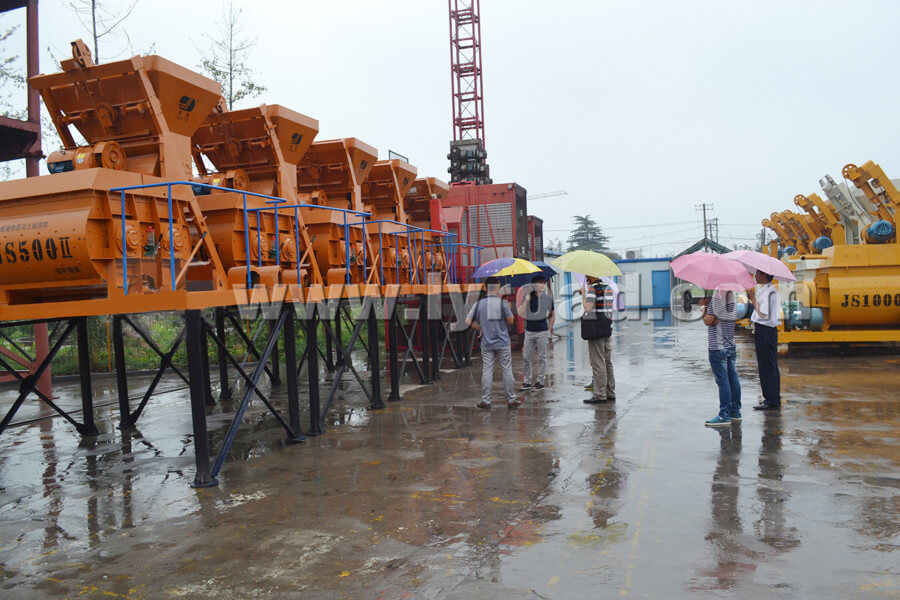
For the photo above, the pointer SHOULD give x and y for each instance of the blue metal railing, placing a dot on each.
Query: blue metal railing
(276, 201)
(477, 250)
(410, 233)
(450, 248)
(415, 235)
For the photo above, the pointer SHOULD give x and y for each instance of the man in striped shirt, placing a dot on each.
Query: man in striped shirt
(719, 317)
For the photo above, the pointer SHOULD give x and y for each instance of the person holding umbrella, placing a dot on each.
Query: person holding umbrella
(725, 276)
(490, 317)
(719, 315)
(596, 328)
(537, 310)
(596, 324)
(766, 318)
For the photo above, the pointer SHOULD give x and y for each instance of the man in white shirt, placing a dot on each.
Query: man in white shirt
(766, 318)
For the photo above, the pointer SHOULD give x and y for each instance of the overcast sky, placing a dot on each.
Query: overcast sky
(639, 109)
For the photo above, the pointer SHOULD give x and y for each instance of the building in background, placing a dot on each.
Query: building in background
(646, 282)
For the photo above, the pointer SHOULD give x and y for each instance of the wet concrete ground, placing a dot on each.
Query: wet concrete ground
(432, 498)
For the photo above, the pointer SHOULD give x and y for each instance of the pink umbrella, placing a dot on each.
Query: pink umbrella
(712, 271)
(757, 261)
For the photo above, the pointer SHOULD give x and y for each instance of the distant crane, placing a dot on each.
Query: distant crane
(468, 157)
(548, 195)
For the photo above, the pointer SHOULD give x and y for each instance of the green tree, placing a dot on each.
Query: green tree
(227, 56)
(12, 80)
(587, 235)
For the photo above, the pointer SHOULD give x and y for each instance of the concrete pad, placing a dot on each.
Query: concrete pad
(433, 498)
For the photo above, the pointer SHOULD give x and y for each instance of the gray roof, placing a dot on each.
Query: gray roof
(713, 246)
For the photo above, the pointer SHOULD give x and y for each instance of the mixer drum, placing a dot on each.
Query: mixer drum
(864, 285)
(62, 236)
(864, 301)
(225, 220)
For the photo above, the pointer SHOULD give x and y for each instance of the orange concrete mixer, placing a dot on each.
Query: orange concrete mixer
(330, 176)
(382, 196)
(423, 208)
(257, 150)
(62, 233)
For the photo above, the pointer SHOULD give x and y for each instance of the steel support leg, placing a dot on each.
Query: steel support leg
(437, 345)
(329, 354)
(312, 370)
(425, 333)
(275, 377)
(393, 357)
(453, 343)
(224, 389)
(461, 342)
(194, 345)
(207, 384)
(339, 339)
(89, 428)
(250, 390)
(41, 349)
(125, 420)
(374, 362)
(290, 367)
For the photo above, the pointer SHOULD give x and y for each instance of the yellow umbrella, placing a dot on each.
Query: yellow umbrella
(589, 263)
(500, 267)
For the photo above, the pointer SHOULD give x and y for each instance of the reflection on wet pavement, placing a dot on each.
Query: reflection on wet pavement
(432, 498)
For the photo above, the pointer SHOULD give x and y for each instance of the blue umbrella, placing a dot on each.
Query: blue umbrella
(525, 278)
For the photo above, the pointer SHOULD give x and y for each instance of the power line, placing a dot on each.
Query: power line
(604, 227)
(659, 236)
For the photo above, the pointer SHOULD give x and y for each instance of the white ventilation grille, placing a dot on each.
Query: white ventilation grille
(496, 219)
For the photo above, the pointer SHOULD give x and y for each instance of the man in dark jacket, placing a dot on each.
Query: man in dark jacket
(596, 328)
(536, 308)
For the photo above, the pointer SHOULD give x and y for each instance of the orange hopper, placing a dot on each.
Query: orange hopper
(257, 150)
(330, 174)
(382, 195)
(62, 233)
(422, 205)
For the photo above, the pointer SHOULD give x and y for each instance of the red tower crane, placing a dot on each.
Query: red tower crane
(467, 150)
(465, 69)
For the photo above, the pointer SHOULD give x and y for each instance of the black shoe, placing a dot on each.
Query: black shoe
(539, 386)
(525, 386)
(595, 400)
(765, 406)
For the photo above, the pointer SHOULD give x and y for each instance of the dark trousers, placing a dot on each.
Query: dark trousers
(767, 360)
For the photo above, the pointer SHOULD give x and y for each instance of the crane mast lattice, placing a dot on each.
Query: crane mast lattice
(468, 158)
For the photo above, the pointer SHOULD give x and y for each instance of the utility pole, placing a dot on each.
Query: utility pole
(762, 239)
(714, 229)
(704, 207)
